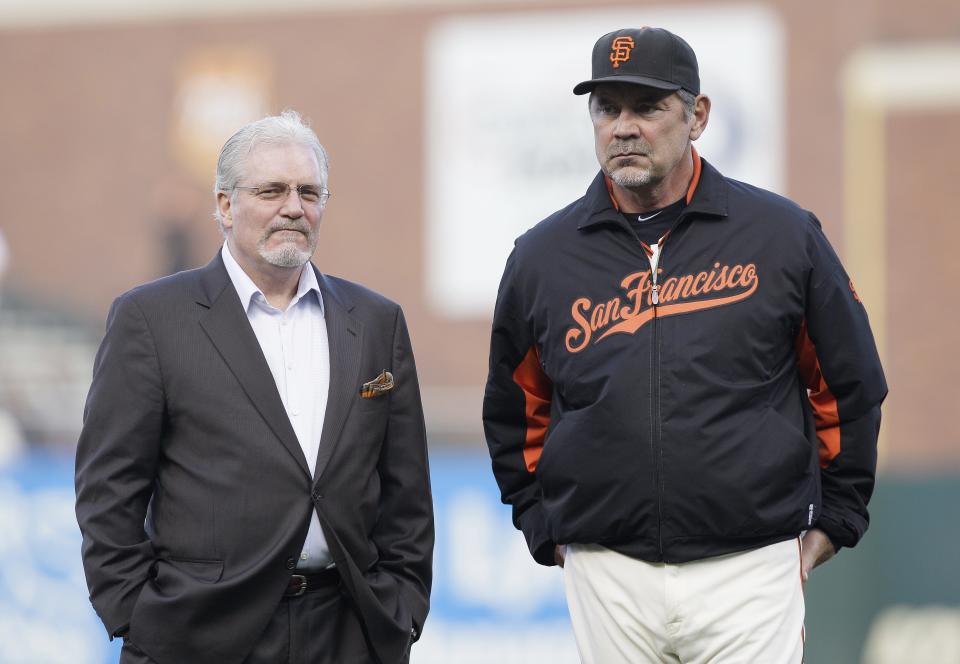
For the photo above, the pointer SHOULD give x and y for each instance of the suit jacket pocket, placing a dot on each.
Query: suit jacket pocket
(374, 404)
(199, 569)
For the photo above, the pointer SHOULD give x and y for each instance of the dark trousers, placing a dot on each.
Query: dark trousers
(319, 627)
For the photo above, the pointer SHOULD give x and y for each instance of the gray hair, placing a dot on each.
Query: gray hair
(689, 103)
(288, 127)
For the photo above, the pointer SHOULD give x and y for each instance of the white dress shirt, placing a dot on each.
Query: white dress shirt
(294, 343)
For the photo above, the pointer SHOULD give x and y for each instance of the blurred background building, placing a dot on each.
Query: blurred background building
(451, 128)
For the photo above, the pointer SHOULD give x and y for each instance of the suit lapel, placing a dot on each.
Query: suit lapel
(345, 339)
(225, 322)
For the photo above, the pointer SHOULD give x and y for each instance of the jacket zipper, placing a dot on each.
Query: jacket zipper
(655, 447)
(655, 442)
(655, 402)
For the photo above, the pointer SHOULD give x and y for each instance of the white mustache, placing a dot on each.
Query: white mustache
(289, 227)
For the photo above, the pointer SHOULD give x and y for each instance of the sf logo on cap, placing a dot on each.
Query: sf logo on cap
(620, 50)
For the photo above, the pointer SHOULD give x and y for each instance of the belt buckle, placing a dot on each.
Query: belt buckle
(302, 580)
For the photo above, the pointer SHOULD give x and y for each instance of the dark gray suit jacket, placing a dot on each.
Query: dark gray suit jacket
(194, 496)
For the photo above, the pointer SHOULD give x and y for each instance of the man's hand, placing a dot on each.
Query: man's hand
(559, 553)
(817, 549)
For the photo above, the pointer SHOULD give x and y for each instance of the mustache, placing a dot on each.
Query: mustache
(627, 147)
(302, 228)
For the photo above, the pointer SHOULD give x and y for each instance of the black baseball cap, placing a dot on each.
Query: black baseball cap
(653, 57)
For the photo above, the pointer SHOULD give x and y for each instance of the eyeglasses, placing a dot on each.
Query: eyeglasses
(278, 191)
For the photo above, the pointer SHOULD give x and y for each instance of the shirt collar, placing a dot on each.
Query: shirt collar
(706, 195)
(246, 289)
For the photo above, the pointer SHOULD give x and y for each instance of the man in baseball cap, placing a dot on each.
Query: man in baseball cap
(684, 392)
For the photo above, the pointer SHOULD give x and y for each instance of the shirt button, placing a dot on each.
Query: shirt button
(303, 556)
(291, 563)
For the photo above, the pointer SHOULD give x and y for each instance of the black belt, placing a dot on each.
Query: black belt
(302, 583)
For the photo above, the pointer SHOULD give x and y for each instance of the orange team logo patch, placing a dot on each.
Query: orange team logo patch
(620, 50)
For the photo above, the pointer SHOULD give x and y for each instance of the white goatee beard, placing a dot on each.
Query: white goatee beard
(288, 255)
(629, 178)
(285, 256)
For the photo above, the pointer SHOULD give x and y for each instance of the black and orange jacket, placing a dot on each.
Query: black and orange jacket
(736, 408)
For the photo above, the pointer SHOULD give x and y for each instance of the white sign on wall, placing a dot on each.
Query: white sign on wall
(508, 143)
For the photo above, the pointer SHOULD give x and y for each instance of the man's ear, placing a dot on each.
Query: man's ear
(225, 206)
(701, 115)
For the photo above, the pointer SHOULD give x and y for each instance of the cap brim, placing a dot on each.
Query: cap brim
(588, 86)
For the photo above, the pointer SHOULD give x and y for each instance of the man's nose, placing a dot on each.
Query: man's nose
(292, 205)
(626, 125)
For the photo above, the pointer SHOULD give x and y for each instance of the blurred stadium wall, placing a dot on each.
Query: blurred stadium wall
(451, 129)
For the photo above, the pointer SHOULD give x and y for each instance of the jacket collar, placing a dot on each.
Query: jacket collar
(707, 196)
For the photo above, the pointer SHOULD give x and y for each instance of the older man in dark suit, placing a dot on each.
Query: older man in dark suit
(252, 479)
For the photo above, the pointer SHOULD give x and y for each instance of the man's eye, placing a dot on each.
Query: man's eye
(310, 194)
(270, 191)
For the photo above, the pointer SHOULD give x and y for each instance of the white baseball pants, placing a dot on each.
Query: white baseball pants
(741, 608)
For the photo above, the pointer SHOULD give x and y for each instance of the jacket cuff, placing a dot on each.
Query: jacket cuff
(533, 523)
(840, 532)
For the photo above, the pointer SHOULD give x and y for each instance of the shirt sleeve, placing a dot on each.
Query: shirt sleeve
(516, 414)
(840, 365)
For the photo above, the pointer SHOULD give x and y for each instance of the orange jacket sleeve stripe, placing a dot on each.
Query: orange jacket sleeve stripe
(824, 404)
(537, 392)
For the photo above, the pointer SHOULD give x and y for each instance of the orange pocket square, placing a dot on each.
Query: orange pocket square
(379, 385)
